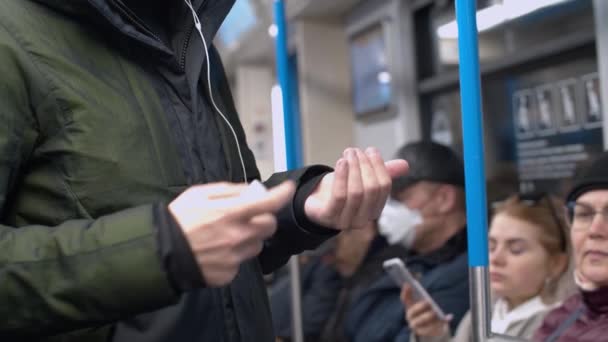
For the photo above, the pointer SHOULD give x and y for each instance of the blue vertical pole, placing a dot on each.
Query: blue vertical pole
(283, 70)
(472, 132)
(285, 77)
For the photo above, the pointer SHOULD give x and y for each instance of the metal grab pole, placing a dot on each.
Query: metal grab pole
(297, 332)
(472, 132)
(282, 56)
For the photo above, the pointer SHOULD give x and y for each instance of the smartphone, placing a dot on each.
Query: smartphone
(401, 275)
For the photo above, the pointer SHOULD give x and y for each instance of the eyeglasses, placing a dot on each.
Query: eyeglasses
(581, 215)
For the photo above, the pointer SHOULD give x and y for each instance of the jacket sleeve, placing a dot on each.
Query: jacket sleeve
(295, 233)
(79, 273)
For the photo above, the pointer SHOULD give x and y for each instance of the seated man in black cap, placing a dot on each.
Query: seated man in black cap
(426, 216)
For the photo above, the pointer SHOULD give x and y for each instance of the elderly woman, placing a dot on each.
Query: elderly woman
(528, 255)
(584, 316)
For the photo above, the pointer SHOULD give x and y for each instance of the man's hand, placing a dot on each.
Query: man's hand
(225, 225)
(421, 318)
(354, 194)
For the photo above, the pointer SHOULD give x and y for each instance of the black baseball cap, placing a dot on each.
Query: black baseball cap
(429, 161)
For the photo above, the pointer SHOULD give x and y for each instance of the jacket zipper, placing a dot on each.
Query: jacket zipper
(230, 318)
(182, 59)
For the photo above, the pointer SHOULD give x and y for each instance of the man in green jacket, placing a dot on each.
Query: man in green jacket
(124, 215)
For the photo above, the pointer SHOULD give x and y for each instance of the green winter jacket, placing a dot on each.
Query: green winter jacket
(92, 144)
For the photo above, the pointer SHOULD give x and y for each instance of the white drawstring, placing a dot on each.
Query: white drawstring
(197, 24)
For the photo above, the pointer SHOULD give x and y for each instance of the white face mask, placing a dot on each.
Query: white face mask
(397, 223)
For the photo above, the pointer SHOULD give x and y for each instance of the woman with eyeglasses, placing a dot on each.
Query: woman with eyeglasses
(584, 316)
(528, 255)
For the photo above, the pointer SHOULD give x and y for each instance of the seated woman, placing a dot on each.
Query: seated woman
(584, 316)
(528, 255)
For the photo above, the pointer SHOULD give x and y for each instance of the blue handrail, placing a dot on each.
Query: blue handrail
(285, 78)
(472, 132)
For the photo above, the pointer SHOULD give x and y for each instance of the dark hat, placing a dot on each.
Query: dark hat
(429, 161)
(592, 178)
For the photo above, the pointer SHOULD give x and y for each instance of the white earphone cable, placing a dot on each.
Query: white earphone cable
(197, 24)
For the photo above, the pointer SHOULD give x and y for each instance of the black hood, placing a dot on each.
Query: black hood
(113, 15)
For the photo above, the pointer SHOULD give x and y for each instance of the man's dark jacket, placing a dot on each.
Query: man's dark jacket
(348, 295)
(377, 314)
(320, 284)
(104, 120)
